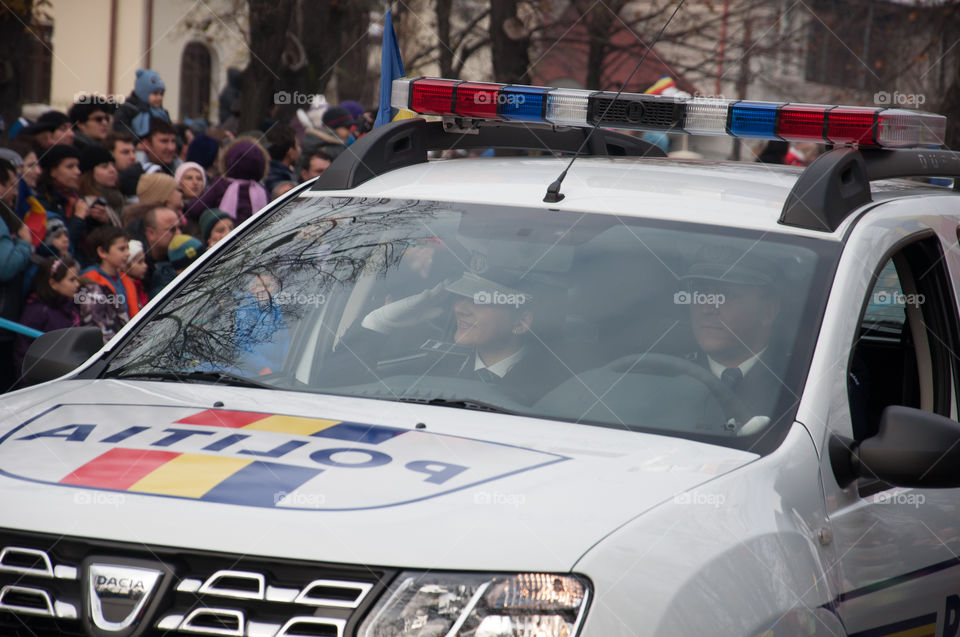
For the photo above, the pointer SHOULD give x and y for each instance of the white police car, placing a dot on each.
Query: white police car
(413, 398)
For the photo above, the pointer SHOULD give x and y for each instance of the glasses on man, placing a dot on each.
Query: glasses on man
(100, 118)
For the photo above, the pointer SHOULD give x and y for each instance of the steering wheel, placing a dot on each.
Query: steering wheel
(666, 365)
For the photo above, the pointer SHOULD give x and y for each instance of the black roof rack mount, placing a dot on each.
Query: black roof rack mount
(838, 182)
(406, 142)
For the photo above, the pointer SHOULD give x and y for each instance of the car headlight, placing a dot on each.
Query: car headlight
(422, 604)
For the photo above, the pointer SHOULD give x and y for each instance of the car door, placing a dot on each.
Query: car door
(897, 548)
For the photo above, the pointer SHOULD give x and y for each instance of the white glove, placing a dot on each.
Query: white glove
(406, 312)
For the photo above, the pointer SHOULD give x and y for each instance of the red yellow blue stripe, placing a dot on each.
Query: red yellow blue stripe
(658, 87)
(221, 478)
(317, 427)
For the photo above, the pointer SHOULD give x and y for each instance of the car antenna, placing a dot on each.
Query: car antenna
(553, 190)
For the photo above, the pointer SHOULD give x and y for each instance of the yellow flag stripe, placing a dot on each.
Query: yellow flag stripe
(189, 475)
(292, 425)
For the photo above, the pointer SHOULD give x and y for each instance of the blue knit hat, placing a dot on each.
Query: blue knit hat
(147, 82)
(183, 250)
(203, 150)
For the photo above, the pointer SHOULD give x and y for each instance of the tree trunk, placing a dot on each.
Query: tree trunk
(13, 34)
(353, 72)
(445, 51)
(599, 23)
(268, 30)
(511, 55)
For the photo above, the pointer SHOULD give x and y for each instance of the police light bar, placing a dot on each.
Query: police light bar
(825, 124)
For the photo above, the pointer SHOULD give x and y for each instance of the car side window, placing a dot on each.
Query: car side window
(904, 353)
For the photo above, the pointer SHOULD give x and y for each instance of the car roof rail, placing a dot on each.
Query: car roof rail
(406, 142)
(838, 182)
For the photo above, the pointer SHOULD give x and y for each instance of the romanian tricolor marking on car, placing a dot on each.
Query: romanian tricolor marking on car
(252, 458)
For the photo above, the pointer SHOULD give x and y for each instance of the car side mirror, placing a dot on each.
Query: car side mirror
(912, 448)
(59, 352)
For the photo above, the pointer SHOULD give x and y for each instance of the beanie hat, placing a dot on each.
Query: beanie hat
(92, 156)
(245, 159)
(136, 248)
(46, 123)
(55, 226)
(183, 249)
(11, 156)
(203, 150)
(155, 188)
(337, 116)
(356, 108)
(147, 82)
(209, 219)
(190, 165)
(56, 154)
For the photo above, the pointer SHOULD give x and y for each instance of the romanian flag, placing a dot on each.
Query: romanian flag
(660, 85)
(391, 68)
(254, 479)
(32, 212)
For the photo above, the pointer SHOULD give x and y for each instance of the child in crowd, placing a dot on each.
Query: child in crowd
(51, 306)
(215, 224)
(56, 242)
(108, 298)
(136, 269)
(183, 251)
(146, 101)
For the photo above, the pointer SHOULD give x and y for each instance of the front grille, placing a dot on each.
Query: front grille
(210, 593)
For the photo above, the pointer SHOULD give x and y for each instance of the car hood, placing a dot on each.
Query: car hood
(329, 478)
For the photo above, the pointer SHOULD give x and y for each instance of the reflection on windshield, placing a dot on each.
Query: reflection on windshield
(587, 318)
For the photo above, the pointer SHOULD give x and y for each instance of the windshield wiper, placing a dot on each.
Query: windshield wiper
(460, 403)
(196, 376)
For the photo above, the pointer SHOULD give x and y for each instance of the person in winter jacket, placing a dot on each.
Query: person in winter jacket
(238, 192)
(51, 306)
(98, 185)
(191, 179)
(108, 298)
(91, 121)
(284, 152)
(57, 192)
(136, 269)
(146, 101)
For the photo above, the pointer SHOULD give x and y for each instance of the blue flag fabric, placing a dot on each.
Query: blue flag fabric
(391, 68)
(23, 191)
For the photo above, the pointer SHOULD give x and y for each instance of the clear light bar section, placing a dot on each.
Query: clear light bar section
(568, 106)
(400, 94)
(901, 128)
(706, 116)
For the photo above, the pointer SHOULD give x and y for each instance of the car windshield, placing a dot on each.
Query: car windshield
(697, 331)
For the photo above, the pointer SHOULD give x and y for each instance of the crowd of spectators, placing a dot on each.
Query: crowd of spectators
(102, 206)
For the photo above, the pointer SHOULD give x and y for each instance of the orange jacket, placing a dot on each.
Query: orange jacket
(133, 302)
